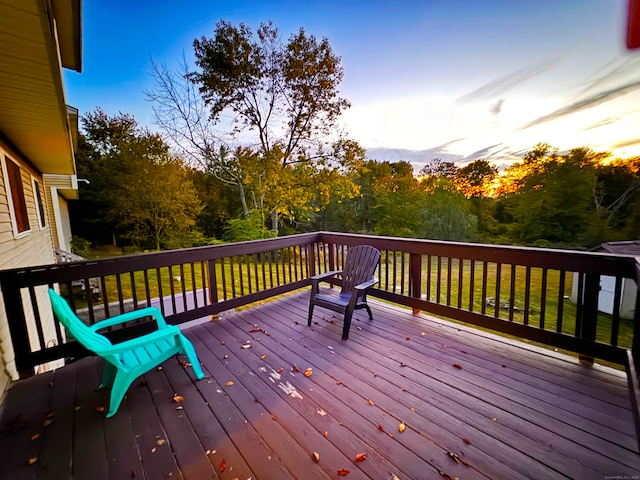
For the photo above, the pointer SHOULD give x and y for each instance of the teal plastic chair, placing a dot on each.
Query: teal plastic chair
(127, 360)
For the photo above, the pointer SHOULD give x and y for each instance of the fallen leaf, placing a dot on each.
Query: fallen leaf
(423, 334)
(222, 342)
(315, 456)
(457, 458)
(360, 457)
(159, 369)
(380, 428)
(153, 450)
(33, 460)
(99, 409)
(280, 370)
(326, 434)
(408, 338)
(76, 408)
(446, 475)
(495, 420)
(466, 440)
(225, 356)
(179, 407)
(343, 472)
(161, 441)
(402, 364)
(401, 427)
(246, 346)
(308, 372)
(178, 398)
(338, 383)
(296, 368)
(263, 356)
(370, 402)
(229, 383)
(395, 477)
(457, 365)
(223, 466)
(257, 400)
(35, 436)
(390, 435)
(412, 409)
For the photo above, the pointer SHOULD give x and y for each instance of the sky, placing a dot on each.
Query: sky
(454, 79)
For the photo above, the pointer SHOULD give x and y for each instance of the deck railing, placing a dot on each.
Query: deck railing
(548, 296)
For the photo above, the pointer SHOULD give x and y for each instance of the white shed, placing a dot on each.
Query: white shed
(608, 284)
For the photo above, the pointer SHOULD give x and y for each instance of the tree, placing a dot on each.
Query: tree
(137, 185)
(446, 216)
(285, 94)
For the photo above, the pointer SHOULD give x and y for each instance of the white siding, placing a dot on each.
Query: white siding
(30, 248)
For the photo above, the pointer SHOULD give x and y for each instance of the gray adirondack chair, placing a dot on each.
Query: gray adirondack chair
(358, 276)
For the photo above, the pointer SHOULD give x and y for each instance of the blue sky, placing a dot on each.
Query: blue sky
(461, 79)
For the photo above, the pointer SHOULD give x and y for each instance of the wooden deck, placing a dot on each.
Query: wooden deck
(474, 405)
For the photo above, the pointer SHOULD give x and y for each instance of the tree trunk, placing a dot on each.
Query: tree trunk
(274, 221)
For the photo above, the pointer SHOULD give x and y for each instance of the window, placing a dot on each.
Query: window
(15, 190)
(39, 206)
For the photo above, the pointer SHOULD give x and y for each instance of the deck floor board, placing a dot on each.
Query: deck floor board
(512, 410)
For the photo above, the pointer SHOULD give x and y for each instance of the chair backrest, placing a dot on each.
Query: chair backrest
(359, 266)
(87, 337)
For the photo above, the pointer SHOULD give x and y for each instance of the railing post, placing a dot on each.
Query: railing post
(213, 282)
(332, 256)
(589, 312)
(415, 277)
(17, 326)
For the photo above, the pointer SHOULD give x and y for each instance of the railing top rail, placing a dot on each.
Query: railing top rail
(568, 260)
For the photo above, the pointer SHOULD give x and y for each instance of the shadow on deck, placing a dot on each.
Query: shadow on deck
(475, 406)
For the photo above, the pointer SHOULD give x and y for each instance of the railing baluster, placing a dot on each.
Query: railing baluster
(233, 277)
(483, 308)
(428, 277)
(439, 279)
(460, 277)
(472, 276)
(527, 295)
(160, 295)
(498, 281)
(615, 317)
(448, 260)
(512, 292)
(172, 290)
(145, 273)
(184, 287)
(134, 296)
(561, 301)
(194, 288)
(36, 315)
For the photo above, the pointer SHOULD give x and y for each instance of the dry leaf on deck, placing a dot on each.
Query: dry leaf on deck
(246, 346)
(466, 440)
(401, 427)
(223, 465)
(458, 366)
(360, 457)
(423, 334)
(395, 477)
(162, 441)
(370, 402)
(342, 472)
(178, 398)
(263, 356)
(35, 436)
(315, 456)
(33, 460)
(326, 434)
(308, 372)
(280, 370)
(296, 368)
(99, 409)
(380, 428)
(229, 383)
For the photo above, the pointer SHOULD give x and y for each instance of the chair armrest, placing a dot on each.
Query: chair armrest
(126, 317)
(169, 331)
(364, 285)
(323, 276)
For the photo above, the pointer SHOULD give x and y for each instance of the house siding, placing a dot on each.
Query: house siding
(34, 247)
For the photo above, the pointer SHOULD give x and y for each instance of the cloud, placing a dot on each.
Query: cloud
(591, 101)
(627, 143)
(500, 85)
(601, 123)
(496, 107)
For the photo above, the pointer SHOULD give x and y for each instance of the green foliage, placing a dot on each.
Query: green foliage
(446, 216)
(81, 247)
(250, 227)
(137, 187)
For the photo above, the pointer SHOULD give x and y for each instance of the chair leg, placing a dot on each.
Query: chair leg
(368, 311)
(190, 352)
(347, 323)
(311, 305)
(120, 386)
(108, 374)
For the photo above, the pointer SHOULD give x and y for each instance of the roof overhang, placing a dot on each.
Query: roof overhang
(39, 37)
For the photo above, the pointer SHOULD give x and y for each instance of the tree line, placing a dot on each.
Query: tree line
(249, 148)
